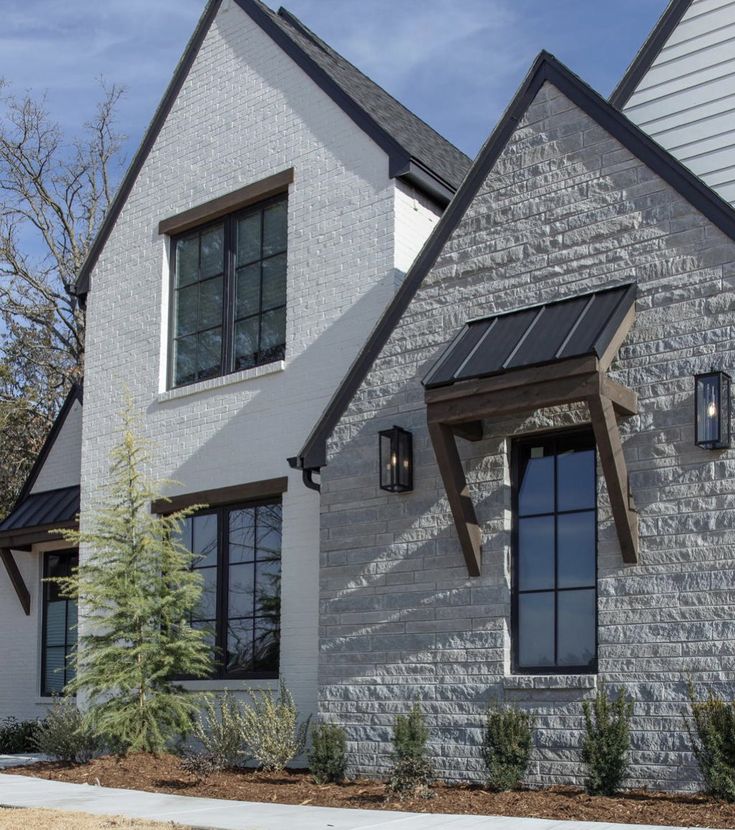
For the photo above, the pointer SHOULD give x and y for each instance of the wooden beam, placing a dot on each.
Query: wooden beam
(611, 352)
(16, 578)
(471, 431)
(610, 448)
(252, 491)
(222, 205)
(543, 393)
(513, 378)
(460, 502)
(623, 399)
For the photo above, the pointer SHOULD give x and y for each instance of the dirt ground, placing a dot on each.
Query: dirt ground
(56, 820)
(165, 774)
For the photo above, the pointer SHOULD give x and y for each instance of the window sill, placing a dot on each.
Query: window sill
(550, 681)
(224, 380)
(222, 685)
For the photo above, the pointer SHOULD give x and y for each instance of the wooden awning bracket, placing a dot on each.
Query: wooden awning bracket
(16, 578)
(454, 411)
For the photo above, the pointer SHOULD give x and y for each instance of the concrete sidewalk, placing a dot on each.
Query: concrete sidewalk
(215, 814)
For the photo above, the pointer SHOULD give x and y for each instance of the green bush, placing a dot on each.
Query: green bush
(506, 747)
(712, 733)
(412, 774)
(65, 735)
(328, 753)
(219, 731)
(271, 730)
(606, 743)
(17, 736)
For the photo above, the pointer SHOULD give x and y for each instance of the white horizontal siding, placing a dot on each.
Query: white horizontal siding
(686, 101)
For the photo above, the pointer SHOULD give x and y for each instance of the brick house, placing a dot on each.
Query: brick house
(276, 202)
(519, 497)
(508, 470)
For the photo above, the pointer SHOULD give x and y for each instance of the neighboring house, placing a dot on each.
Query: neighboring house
(276, 202)
(680, 89)
(578, 282)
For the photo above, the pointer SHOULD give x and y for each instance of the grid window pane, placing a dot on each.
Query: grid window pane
(240, 646)
(555, 554)
(248, 291)
(241, 591)
(266, 646)
(576, 621)
(242, 536)
(274, 282)
(274, 229)
(229, 295)
(536, 630)
(204, 538)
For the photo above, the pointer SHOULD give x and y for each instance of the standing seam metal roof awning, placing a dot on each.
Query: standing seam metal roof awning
(48, 509)
(573, 327)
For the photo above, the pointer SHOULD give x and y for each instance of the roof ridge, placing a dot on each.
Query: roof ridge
(297, 23)
(545, 68)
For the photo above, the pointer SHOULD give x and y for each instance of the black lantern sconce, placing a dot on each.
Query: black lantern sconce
(712, 410)
(396, 460)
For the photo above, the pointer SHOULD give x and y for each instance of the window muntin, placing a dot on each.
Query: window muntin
(229, 294)
(555, 554)
(59, 634)
(238, 552)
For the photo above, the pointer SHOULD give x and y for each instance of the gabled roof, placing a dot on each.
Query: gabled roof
(648, 53)
(578, 326)
(416, 152)
(546, 67)
(75, 395)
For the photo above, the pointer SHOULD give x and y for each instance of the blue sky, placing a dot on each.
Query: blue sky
(456, 63)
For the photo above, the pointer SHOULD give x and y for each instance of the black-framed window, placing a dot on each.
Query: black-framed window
(238, 550)
(229, 294)
(554, 576)
(59, 631)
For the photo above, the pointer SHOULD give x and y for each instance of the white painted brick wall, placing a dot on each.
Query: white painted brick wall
(245, 112)
(566, 210)
(62, 467)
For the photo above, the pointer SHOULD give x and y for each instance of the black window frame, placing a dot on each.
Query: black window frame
(222, 618)
(229, 223)
(73, 555)
(518, 443)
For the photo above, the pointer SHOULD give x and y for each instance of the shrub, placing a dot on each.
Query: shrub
(712, 733)
(606, 743)
(270, 729)
(506, 747)
(200, 765)
(65, 735)
(328, 753)
(218, 729)
(412, 773)
(17, 736)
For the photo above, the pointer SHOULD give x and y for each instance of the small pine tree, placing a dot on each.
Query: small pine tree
(328, 753)
(712, 734)
(506, 747)
(136, 592)
(412, 773)
(607, 742)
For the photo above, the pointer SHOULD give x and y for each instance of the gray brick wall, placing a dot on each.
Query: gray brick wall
(567, 209)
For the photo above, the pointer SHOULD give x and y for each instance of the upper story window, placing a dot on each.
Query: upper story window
(229, 294)
(555, 554)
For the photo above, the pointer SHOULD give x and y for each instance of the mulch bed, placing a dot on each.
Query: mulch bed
(164, 774)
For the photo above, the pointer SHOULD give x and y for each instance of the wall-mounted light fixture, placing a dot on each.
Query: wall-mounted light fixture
(712, 410)
(396, 460)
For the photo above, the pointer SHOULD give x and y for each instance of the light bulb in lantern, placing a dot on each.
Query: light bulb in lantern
(712, 410)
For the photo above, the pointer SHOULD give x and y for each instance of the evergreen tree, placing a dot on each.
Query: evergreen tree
(136, 592)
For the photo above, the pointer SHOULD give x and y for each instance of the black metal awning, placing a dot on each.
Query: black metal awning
(574, 327)
(37, 514)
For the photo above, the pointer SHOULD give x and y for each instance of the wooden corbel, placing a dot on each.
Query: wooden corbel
(460, 501)
(16, 578)
(610, 448)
